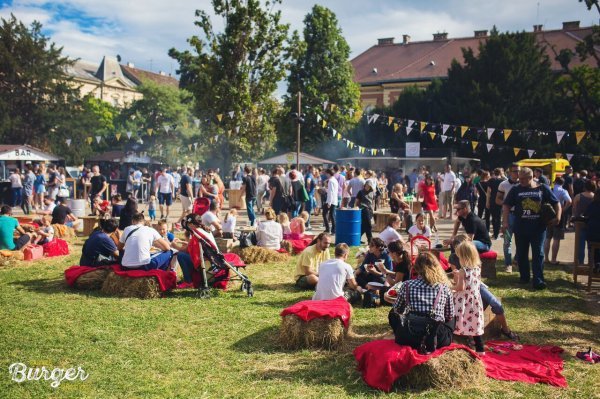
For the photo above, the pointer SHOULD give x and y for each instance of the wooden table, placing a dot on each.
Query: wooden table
(89, 224)
(237, 199)
(381, 220)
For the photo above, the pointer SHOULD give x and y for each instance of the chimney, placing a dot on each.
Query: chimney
(481, 33)
(570, 25)
(537, 28)
(440, 36)
(405, 39)
(385, 41)
(130, 65)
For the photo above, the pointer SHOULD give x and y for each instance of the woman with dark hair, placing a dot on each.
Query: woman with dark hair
(400, 261)
(127, 213)
(426, 191)
(376, 266)
(99, 249)
(581, 202)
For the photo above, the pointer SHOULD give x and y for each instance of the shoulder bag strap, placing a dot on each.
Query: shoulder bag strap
(130, 233)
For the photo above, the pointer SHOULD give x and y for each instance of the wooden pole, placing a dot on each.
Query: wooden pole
(298, 133)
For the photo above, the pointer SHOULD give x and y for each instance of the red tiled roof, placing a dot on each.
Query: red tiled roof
(138, 75)
(423, 61)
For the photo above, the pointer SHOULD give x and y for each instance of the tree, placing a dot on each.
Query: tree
(321, 71)
(236, 71)
(36, 96)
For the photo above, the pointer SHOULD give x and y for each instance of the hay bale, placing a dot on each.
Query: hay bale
(322, 332)
(258, 254)
(126, 287)
(92, 280)
(455, 369)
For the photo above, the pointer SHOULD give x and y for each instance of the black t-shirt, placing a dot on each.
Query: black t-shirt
(366, 199)
(185, 180)
(568, 181)
(528, 204)
(474, 225)
(59, 214)
(493, 184)
(116, 210)
(482, 187)
(404, 268)
(249, 182)
(297, 190)
(97, 184)
(578, 186)
(275, 182)
(52, 179)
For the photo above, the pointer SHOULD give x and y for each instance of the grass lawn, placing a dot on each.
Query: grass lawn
(184, 347)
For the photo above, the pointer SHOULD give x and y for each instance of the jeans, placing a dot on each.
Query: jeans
(481, 247)
(484, 213)
(329, 217)
(250, 208)
(496, 212)
(525, 237)
(297, 208)
(352, 201)
(26, 203)
(488, 299)
(508, 240)
(160, 262)
(365, 224)
(187, 266)
(16, 196)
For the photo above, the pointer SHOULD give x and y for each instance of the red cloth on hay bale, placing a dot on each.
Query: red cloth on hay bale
(299, 241)
(308, 310)
(56, 247)
(167, 280)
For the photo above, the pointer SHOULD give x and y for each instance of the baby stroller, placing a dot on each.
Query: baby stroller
(202, 247)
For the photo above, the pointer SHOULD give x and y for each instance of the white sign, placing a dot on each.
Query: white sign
(413, 150)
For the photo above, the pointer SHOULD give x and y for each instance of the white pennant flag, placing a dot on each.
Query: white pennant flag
(408, 130)
(319, 118)
(569, 156)
(129, 134)
(231, 114)
(197, 123)
(98, 138)
(260, 118)
(373, 118)
(167, 128)
(333, 132)
(237, 129)
(410, 123)
(559, 135)
(68, 141)
(141, 141)
(195, 146)
(444, 128)
(347, 143)
(444, 138)
(216, 137)
(490, 131)
(530, 152)
(351, 111)
(325, 104)
(489, 147)
(383, 151)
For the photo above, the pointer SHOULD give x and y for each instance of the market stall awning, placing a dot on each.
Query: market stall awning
(24, 152)
(290, 158)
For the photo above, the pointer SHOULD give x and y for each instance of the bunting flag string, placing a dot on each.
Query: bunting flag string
(432, 135)
(463, 130)
(474, 144)
(489, 147)
(89, 140)
(490, 132)
(579, 136)
(507, 133)
(445, 128)
(422, 126)
(118, 136)
(68, 141)
(516, 151)
(530, 152)
(98, 138)
(559, 135)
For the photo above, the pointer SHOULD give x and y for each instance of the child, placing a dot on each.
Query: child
(100, 206)
(467, 296)
(152, 207)
(163, 230)
(116, 206)
(229, 223)
(297, 225)
(284, 221)
(46, 232)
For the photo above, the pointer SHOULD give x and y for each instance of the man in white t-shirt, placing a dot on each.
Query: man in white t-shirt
(211, 220)
(137, 241)
(334, 274)
(332, 201)
(165, 186)
(447, 192)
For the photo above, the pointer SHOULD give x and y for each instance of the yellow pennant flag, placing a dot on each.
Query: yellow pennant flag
(474, 144)
(390, 120)
(149, 130)
(185, 124)
(463, 130)
(375, 151)
(516, 151)
(422, 125)
(219, 117)
(118, 136)
(507, 133)
(358, 115)
(189, 147)
(324, 123)
(333, 107)
(89, 140)
(339, 137)
(596, 158)
(396, 127)
(558, 155)
(432, 135)
(579, 136)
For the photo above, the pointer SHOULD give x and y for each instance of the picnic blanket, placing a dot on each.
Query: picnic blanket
(382, 362)
(166, 279)
(308, 310)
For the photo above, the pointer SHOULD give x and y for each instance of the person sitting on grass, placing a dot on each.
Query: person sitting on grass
(211, 221)
(62, 214)
(229, 223)
(334, 274)
(419, 228)
(284, 220)
(298, 224)
(269, 233)
(8, 226)
(45, 233)
(376, 266)
(390, 233)
(100, 249)
(100, 207)
(309, 260)
(136, 243)
(401, 262)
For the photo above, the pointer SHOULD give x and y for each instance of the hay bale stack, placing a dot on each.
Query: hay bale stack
(326, 333)
(126, 287)
(455, 369)
(257, 254)
(92, 280)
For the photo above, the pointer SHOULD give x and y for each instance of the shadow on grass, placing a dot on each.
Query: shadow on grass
(286, 287)
(52, 286)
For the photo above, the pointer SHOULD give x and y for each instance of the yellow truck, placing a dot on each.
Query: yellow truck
(550, 167)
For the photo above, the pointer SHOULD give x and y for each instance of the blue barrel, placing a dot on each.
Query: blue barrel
(347, 226)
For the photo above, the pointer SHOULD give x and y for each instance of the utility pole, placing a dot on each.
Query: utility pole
(298, 134)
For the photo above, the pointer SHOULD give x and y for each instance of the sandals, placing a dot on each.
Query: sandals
(510, 335)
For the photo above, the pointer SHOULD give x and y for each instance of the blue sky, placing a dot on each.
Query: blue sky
(142, 31)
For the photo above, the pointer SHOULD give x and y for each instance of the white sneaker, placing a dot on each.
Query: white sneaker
(508, 269)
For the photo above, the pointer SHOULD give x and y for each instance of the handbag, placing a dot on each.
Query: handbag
(418, 331)
(305, 196)
(547, 213)
(64, 192)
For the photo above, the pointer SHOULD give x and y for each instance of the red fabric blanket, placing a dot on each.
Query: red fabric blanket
(532, 364)
(234, 260)
(382, 362)
(166, 280)
(308, 310)
(298, 243)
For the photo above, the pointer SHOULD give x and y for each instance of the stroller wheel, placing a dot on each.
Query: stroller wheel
(204, 293)
(250, 292)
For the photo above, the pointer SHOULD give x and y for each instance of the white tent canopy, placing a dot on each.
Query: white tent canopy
(290, 158)
(25, 152)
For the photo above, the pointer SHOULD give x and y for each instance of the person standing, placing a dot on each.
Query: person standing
(276, 200)
(98, 184)
(262, 187)
(164, 191)
(40, 188)
(448, 187)
(331, 202)
(16, 186)
(186, 193)
(481, 186)
(426, 191)
(249, 186)
(503, 189)
(557, 233)
(528, 200)
(568, 185)
(28, 180)
(491, 204)
(364, 201)
(341, 180)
